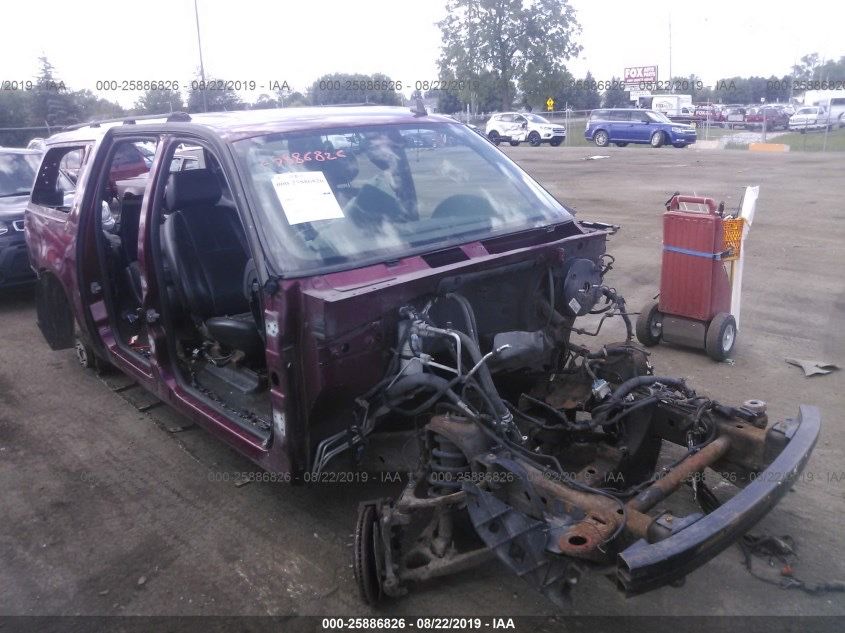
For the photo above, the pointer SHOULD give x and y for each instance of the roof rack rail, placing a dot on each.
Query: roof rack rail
(170, 117)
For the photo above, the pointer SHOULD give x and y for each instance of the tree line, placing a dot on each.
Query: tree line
(495, 55)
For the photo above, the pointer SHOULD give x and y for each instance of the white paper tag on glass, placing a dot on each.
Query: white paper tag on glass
(306, 197)
(574, 305)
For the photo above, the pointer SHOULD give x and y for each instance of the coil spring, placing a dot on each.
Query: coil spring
(446, 465)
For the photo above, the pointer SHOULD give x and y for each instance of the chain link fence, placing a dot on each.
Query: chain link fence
(711, 134)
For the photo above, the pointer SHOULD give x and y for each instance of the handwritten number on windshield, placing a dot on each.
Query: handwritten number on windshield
(298, 158)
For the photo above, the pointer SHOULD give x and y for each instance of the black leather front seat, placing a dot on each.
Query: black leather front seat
(203, 245)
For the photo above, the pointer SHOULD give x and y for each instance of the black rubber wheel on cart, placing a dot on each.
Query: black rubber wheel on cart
(368, 560)
(721, 336)
(650, 324)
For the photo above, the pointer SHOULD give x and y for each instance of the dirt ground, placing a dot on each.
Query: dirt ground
(104, 511)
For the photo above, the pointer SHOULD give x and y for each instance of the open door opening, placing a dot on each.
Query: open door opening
(208, 290)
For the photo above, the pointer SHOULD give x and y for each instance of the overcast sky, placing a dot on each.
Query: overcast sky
(283, 40)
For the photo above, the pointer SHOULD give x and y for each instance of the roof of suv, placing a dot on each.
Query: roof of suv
(19, 150)
(232, 126)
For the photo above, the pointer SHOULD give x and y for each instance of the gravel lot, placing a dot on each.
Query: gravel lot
(104, 511)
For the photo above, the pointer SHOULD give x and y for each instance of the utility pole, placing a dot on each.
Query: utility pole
(202, 66)
(671, 87)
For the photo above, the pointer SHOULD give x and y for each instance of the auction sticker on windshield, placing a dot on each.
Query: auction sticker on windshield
(306, 197)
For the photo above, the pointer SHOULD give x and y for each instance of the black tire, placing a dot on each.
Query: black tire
(721, 336)
(657, 139)
(534, 139)
(679, 145)
(366, 562)
(494, 137)
(621, 144)
(514, 143)
(601, 138)
(650, 324)
(555, 142)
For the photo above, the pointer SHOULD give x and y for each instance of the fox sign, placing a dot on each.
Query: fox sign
(640, 74)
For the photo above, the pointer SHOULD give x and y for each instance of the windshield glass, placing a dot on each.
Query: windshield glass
(17, 173)
(536, 118)
(806, 111)
(658, 117)
(343, 196)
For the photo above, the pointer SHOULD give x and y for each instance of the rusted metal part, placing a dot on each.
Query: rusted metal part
(450, 564)
(584, 536)
(410, 502)
(602, 515)
(461, 432)
(644, 566)
(666, 485)
(569, 391)
(748, 444)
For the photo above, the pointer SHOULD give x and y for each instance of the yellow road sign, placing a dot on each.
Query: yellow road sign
(550, 104)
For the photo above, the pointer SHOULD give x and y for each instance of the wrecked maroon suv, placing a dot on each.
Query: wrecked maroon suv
(324, 295)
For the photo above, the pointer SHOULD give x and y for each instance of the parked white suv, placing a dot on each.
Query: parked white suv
(516, 127)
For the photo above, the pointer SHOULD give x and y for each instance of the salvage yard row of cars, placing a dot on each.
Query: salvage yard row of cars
(308, 282)
(775, 116)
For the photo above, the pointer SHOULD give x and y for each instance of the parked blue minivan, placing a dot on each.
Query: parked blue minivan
(633, 125)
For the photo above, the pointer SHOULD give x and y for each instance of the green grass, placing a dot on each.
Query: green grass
(814, 141)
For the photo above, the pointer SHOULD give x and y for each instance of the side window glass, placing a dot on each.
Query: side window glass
(55, 185)
(122, 192)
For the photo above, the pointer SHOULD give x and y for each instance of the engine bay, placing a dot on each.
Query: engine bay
(537, 450)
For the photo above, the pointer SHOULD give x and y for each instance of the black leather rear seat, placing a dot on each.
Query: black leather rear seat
(203, 244)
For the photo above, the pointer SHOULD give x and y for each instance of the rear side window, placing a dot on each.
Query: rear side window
(620, 115)
(55, 185)
(598, 115)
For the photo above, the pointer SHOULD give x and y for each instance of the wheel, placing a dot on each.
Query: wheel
(601, 138)
(534, 139)
(86, 357)
(679, 145)
(368, 560)
(657, 139)
(84, 354)
(555, 142)
(514, 143)
(621, 144)
(650, 324)
(494, 137)
(721, 336)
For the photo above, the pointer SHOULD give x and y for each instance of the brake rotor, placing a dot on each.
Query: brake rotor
(368, 561)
